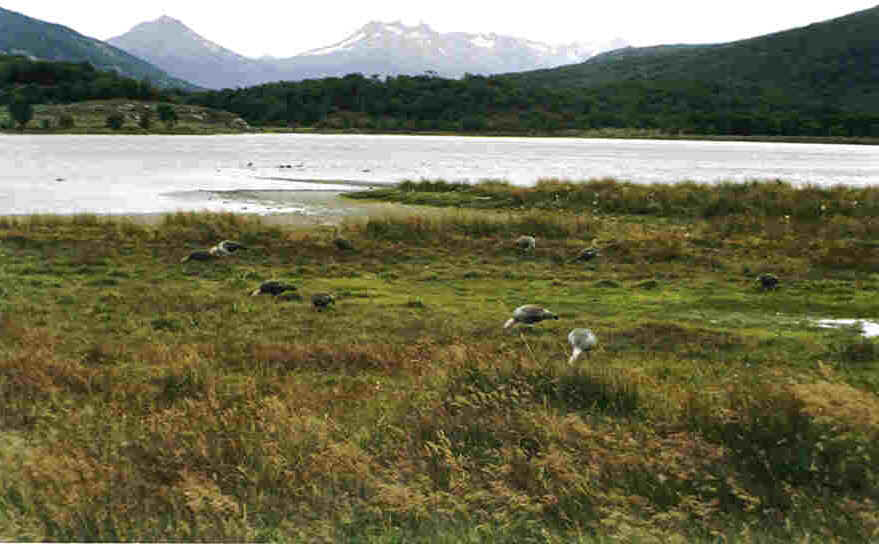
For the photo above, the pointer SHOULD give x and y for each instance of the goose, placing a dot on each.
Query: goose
(343, 244)
(272, 287)
(526, 243)
(322, 300)
(587, 254)
(226, 248)
(768, 281)
(581, 340)
(528, 315)
(199, 255)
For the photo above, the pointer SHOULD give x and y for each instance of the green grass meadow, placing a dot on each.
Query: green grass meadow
(146, 399)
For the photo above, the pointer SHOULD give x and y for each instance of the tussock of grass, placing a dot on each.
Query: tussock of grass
(442, 227)
(145, 399)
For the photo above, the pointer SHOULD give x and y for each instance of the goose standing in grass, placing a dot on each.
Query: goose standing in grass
(226, 248)
(582, 341)
(529, 314)
(587, 254)
(322, 300)
(272, 287)
(768, 281)
(526, 243)
(342, 244)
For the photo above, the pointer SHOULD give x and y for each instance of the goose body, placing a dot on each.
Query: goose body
(526, 243)
(581, 340)
(343, 244)
(199, 256)
(768, 281)
(272, 287)
(587, 254)
(226, 248)
(322, 300)
(529, 314)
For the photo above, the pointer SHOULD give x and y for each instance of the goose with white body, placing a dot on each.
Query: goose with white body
(582, 341)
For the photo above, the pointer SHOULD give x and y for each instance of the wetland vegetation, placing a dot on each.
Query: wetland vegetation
(145, 399)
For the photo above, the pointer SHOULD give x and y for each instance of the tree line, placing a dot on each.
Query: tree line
(499, 104)
(55, 82)
(474, 103)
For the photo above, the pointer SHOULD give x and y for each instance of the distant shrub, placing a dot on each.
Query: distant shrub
(115, 121)
(65, 120)
(167, 114)
(145, 120)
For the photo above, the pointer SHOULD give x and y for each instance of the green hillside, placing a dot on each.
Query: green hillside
(832, 64)
(22, 35)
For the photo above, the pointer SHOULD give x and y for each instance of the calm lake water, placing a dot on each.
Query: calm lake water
(265, 173)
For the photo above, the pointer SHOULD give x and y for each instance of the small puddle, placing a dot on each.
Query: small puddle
(869, 329)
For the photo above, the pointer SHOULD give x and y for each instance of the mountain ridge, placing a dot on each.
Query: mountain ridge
(171, 45)
(375, 48)
(37, 39)
(834, 62)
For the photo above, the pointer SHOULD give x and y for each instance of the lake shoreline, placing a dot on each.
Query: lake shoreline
(586, 135)
(325, 207)
(109, 174)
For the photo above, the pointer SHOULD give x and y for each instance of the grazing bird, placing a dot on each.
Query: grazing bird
(272, 287)
(587, 254)
(526, 243)
(322, 300)
(226, 248)
(199, 255)
(343, 244)
(528, 315)
(768, 281)
(581, 340)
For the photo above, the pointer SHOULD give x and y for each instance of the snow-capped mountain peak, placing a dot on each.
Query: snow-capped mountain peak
(453, 54)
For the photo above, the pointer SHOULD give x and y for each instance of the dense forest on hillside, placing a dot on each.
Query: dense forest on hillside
(45, 82)
(500, 104)
(471, 104)
(831, 64)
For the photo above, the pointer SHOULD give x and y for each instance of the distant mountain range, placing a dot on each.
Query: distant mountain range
(36, 39)
(376, 48)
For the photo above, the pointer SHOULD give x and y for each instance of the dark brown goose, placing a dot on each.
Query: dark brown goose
(342, 244)
(272, 287)
(322, 300)
(526, 243)
(587, 255)
(768, 281)
(199, 255)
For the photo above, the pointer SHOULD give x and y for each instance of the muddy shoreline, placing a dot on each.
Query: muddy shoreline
(300, 207)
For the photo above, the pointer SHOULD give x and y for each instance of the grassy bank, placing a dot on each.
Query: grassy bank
(603, 133)
(145, 399)
(90, 117)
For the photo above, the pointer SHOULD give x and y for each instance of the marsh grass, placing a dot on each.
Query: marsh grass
(685, 199)
(145, 399)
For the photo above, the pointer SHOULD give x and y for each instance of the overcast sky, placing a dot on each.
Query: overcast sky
(286, 27)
